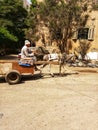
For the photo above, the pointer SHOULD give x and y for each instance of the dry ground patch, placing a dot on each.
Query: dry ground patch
(50, 103)
(68, 102)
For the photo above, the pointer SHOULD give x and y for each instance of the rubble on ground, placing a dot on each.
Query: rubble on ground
(84, 63)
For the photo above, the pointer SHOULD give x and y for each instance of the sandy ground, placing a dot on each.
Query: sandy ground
(68, 102)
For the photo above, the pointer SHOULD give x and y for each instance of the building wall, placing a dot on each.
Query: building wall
(94, 22)
(91, 23)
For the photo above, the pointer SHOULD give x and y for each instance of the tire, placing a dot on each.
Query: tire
(13, 77)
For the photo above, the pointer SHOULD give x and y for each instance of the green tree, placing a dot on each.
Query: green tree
(12, 22)
(33, 22)
(62, 18)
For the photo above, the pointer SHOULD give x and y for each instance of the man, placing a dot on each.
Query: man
(27, 55)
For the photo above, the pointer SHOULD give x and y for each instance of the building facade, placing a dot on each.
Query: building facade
(90, 31)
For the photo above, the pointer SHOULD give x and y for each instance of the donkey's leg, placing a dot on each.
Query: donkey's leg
(60, 69)
(43, 65)
(50, 66)
(65, 68)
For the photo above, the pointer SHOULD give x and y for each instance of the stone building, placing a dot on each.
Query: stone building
(89, 32)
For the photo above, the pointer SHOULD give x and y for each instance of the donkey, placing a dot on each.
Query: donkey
(61, 59)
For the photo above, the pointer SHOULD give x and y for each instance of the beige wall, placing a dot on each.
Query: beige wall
(91, 23)
(94, 21)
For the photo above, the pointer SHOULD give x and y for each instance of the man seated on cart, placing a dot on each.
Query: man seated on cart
(28, 57)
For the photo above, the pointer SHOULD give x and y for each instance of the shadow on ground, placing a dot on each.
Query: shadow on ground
(9, 57)
(38, 76)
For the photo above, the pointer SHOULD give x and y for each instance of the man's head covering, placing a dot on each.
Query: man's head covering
(27, 42)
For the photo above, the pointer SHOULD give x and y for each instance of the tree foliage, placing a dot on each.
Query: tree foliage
(83, 48)
(12, 21)
(62, 18)
(33, 22)
(4, 33)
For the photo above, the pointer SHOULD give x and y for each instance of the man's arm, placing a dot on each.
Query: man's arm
(26, 53)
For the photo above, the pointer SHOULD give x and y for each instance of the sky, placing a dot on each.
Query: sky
(29, 1)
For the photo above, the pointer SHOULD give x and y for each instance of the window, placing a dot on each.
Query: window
(84, 33)
(91, 34)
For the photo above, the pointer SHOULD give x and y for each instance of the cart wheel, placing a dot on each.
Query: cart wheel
(13, 77)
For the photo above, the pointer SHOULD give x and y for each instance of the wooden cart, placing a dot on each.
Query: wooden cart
(12, 71)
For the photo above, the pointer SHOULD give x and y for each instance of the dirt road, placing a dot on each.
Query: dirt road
(50, 103)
